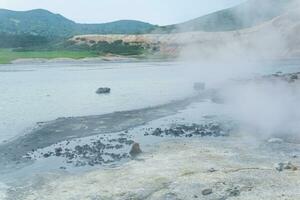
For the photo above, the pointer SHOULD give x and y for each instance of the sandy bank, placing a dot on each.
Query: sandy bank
(70, 60)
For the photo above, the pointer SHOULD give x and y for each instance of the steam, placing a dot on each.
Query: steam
(263, 108)
(269, 39)
(267, 108)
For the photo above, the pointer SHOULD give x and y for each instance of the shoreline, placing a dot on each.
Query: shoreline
(68, 60)
(47, 57)
(70, 128)
(173, 164)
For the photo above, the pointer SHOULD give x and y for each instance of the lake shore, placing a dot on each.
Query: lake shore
(8, 56)
(235, 167)
(190, 150)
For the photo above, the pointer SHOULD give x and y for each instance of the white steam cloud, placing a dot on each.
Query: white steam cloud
(264, 108)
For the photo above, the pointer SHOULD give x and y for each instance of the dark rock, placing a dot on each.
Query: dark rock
(104, 90)
(211, 170)
(294, 77)
(58, 151)
(234, 192)
(135, 150)
(207, 192)
(286, 166)
(47, 155)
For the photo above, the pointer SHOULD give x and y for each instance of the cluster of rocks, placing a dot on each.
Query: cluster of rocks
(95, 153)
(230, 192)
(210, 129)
(292, 77)
(285, 166)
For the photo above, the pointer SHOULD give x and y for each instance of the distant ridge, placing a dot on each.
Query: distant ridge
(45, 23)
(248, 14)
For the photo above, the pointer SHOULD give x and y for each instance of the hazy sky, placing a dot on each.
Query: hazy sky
(97, 11)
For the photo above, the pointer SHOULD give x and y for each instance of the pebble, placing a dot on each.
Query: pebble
(207, 192)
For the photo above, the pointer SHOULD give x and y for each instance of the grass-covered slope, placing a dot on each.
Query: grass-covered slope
(9, 55)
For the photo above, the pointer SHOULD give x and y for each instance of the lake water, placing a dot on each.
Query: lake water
(40, 92)
(31, 93)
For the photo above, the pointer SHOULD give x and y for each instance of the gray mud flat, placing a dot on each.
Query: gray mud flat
(14, 154)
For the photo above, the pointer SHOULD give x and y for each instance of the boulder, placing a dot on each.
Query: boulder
(135, 149)
(103, 90)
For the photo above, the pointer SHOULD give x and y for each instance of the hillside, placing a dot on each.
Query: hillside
(44, 23)
(275, 38)
(245, 15)
(254, 26)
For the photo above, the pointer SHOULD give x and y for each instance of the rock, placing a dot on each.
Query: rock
(58, 151)
(211, 170)
(234, 192)
(294, 77)
(135, 149)
(279, 167)
(47, 155)
(207, 192)
(199, 86)
(275, 140)
(104, 90)
(285, 166)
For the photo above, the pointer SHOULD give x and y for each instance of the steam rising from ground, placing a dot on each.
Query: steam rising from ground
(268, 108)
(265, 108)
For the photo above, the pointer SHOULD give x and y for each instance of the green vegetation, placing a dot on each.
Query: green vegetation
(22, 41)
(117, 47)
(70, 49)
(8, 55)
(44, 23)
(42, 34)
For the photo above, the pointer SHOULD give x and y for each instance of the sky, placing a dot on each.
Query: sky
(160, 12)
